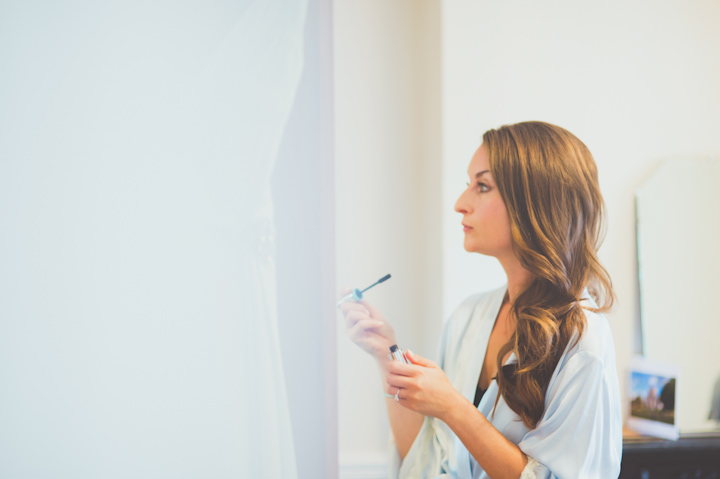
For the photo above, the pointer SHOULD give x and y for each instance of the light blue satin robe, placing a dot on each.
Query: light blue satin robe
(578, 436)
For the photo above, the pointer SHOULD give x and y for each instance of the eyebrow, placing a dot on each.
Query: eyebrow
(478, 175)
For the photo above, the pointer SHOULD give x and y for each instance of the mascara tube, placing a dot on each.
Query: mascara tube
(397, 354)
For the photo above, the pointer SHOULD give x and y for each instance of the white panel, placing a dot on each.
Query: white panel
(679, 262)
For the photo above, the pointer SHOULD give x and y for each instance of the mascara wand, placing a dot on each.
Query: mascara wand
(357, 295)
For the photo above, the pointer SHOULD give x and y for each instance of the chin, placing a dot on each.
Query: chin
(470, 248)
(473, 248)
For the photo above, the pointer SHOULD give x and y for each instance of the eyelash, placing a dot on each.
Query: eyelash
(482, 187)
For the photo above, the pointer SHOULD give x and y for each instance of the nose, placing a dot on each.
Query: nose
(462, 205)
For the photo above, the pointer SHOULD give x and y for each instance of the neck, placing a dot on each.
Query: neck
(518, 278)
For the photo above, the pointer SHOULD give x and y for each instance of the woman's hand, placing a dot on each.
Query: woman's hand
(367, 327)
(422, 386)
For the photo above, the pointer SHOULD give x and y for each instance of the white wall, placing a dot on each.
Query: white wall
(387, 116)
(303, 205)
(636, 81)
(131, 341)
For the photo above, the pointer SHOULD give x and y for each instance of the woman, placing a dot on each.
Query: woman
(527, 385)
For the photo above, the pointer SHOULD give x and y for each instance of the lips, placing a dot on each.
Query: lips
(466, 228)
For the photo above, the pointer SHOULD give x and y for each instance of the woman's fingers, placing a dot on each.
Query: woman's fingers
(353, 317)
(362, 306)
(410, 378)
(364, 324)
(419, 360)
(348, 306)
(354, 313)
(359, 312)
(374, 312)
(423, 387)
(367, 327)
(401, 369)
(392, 390)
(401, 382)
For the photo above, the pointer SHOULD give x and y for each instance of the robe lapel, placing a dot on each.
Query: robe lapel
(476, 341)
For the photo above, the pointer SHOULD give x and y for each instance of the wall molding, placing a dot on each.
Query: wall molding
(368, 471)
(369, 466)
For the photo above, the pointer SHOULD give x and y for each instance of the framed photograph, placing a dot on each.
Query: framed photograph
(653, 398)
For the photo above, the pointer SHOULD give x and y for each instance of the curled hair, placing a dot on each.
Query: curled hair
(548, 181)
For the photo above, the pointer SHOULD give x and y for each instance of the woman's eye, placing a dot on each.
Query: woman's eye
(481, 187)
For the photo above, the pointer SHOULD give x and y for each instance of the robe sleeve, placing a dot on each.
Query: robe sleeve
(429, 455)
(432, 454)
(534, 470)
(580, 434)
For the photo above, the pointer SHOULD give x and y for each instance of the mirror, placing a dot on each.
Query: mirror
(678, 240)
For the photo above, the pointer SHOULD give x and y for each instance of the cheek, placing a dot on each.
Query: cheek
(499, 221)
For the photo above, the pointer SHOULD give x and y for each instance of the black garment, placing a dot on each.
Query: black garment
(479, 393)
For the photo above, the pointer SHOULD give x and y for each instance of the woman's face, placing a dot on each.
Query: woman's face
(485, 218)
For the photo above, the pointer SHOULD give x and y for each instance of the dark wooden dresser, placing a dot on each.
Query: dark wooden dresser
(687, 458)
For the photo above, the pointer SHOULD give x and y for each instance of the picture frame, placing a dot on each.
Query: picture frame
(652, 396)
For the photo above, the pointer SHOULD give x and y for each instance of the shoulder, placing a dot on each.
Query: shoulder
(596, 339)
(595, 350)
(586, 371)
(580, 431)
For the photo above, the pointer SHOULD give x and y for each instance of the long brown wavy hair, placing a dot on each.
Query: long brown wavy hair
(549, 183)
